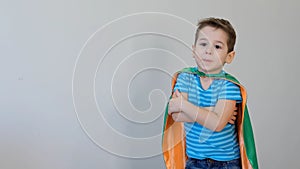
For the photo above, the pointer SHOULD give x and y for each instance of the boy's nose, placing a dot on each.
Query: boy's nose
(208, 50)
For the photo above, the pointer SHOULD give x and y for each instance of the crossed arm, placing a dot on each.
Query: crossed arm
(213, 118)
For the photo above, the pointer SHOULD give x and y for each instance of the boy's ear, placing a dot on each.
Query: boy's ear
(230, 57)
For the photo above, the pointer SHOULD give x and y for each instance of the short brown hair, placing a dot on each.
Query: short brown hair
(218, 24)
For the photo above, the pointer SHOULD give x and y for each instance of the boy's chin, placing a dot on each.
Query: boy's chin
(202, 70)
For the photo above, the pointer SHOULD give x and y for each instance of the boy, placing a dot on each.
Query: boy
(205, 98)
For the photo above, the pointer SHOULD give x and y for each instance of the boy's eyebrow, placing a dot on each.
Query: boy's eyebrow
(220, 42)
(202, 39)
(207, 40)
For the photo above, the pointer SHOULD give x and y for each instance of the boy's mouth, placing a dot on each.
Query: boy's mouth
(206, 60)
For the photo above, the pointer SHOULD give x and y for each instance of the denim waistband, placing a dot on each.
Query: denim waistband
(212, 161)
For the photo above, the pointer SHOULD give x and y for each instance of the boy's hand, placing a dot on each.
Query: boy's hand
(233, 117)
(175, 104)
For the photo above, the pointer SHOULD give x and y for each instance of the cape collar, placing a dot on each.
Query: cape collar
(195, 70)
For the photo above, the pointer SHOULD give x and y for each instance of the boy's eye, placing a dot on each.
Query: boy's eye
(202, 44)
(218, 47)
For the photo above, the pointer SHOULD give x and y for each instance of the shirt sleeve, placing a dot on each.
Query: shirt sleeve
(230, 91)
(182, 83)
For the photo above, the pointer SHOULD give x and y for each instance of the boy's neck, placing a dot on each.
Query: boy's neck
(211, 73)
(206, 82)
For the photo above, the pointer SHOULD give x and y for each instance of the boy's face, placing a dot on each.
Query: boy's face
(211, 51)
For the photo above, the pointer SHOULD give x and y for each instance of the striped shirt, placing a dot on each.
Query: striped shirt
(201, 142)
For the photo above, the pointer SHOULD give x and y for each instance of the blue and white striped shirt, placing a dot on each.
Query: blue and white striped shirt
(201, 142)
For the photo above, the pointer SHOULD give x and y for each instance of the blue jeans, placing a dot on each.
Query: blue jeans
(192, 163)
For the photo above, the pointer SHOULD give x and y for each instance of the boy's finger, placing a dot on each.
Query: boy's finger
(177, 93)
(231, 121)
(235, 113)
(233, 118)
(174, 93)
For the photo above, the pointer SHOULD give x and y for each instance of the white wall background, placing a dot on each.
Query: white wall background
(40, 43)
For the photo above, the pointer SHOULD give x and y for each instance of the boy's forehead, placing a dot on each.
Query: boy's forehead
(212, 34)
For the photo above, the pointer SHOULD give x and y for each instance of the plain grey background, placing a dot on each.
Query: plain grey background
(44, 51)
